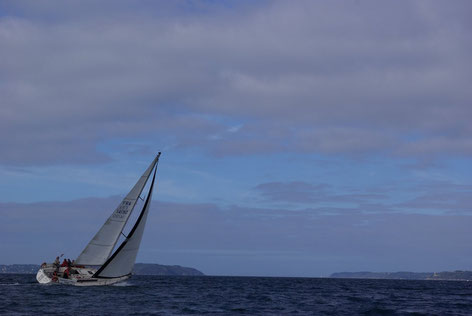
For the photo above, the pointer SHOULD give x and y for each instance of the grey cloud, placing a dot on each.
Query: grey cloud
(443, 201)
(433, 196)
(218, 240)
(295, 191)
(334, 78)
(300, 192)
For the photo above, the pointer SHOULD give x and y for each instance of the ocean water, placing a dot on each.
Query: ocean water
(166, 295)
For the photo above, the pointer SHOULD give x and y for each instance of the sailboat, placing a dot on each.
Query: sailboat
(96, 264)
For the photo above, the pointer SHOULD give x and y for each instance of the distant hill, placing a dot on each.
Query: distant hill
(139, 269)
(159, 269)
(446, 275)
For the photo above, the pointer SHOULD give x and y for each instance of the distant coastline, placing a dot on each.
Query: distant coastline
(159, 269)
(458, 275)
(139, 269)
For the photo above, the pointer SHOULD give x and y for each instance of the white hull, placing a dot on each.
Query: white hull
(93, 281)
(82, 278)
(42, 277)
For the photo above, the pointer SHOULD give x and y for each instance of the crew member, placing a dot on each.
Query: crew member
(66, 273)
(56, 263)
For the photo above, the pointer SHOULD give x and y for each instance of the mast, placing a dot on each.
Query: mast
(98, 250)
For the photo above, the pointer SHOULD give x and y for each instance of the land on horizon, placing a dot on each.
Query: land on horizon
(139, 269)
(159, 269)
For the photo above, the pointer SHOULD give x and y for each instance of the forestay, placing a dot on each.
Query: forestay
(100, 247)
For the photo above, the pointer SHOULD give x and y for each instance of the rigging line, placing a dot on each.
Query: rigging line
(124, 235)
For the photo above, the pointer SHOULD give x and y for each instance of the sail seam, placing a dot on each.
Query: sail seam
(92, 243)
(115, 220)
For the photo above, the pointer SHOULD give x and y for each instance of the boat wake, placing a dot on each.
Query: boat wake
(125, 283)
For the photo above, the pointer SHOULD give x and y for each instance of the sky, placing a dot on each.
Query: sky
(298, 138)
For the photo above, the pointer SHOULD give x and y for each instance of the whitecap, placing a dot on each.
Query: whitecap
(124, 283)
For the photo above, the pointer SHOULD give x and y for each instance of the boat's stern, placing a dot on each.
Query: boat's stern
(43, 277)
(48, 273)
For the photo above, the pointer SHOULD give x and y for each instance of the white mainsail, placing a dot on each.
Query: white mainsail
(122, 261)
(100, 247)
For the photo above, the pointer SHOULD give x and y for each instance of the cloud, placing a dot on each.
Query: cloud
(356, 79)
(440, 197)
(246, 240)
(295, 191)
(322, 196)
(431, 197)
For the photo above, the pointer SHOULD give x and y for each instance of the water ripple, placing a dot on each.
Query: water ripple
(149, 295)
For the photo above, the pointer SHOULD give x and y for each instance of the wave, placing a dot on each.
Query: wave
(124, 283)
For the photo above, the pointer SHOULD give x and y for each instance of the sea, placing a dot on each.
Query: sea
(20, 294)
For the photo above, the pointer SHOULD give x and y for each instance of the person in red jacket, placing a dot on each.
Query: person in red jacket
(66, 273)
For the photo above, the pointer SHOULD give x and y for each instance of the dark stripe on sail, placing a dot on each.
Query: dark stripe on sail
(97, 274)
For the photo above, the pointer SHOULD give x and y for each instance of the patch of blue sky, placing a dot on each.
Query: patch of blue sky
(190, 175)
